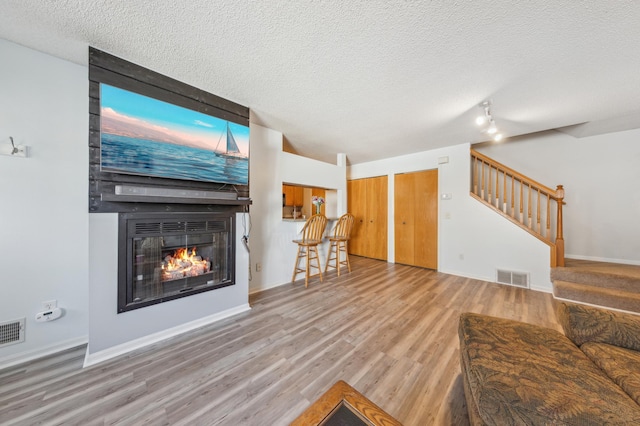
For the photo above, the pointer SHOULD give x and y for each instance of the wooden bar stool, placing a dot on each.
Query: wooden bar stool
(308, 247)
(338, 243)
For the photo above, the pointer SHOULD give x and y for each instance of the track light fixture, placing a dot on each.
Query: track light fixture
(486, 119)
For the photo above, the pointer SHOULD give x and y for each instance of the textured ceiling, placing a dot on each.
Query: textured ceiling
(369, 78)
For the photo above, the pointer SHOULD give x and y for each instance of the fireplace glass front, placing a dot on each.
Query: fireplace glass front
(171, 255)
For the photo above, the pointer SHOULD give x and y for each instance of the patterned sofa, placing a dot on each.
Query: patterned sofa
(521, 374)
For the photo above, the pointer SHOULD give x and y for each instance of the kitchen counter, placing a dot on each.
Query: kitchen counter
(300, 224)
(289, 219)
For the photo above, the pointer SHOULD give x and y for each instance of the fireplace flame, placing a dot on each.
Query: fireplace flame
(184, 263)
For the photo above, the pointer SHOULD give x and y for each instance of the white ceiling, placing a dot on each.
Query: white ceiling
(369, 78)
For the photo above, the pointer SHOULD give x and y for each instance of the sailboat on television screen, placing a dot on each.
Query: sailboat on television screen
(231, 149)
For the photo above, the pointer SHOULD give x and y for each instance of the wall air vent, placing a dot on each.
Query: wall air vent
(12, 332)
(515, 278)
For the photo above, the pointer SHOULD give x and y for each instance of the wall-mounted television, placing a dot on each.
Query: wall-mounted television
(140, 135)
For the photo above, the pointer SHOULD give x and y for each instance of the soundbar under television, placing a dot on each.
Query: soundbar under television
(144, 136)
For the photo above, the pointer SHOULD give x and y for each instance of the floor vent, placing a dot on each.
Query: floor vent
(518, 279)
(12, 332)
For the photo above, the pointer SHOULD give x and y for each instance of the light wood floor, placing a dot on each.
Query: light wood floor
(388, 330)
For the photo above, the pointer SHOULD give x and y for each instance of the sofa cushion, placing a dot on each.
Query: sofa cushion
(582, 323)
(621, 365)
(520, 373)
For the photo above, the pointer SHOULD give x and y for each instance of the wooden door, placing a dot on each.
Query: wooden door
(376, 210)
(404, 222)
(367, 201)
(416, 218)
(356, 206)
(426, 214)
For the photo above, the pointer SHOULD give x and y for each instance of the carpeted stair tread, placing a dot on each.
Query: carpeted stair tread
(599, 274)
(601, 296)
(611, 285)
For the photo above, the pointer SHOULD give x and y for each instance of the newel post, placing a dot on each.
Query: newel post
(559, 234)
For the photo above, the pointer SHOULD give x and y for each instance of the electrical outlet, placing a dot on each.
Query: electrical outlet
(258, 267)
(50, 305)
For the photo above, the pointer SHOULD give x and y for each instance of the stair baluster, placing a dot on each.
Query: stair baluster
(535, 201)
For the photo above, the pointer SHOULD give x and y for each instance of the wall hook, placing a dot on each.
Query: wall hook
(14, 151)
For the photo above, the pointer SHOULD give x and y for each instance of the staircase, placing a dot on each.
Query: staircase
(532, 206)
(538, 210)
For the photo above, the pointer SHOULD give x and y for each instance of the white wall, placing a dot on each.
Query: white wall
(271, 237)
(473, 241)
(43, 204)
(601, 177)
(50, 246)
(112, 334)
(43, 199)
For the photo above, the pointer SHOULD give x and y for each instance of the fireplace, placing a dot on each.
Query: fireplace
(175, 191)
(165, 256)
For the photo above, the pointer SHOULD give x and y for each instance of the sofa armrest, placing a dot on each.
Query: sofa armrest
(582, 323)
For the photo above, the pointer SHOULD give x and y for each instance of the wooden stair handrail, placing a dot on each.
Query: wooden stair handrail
(531, 221)
(544, 189)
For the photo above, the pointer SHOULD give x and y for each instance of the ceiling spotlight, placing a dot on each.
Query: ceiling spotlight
(486, 119)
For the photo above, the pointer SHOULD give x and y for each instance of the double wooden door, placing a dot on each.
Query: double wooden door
(367, 201)
(416, 218)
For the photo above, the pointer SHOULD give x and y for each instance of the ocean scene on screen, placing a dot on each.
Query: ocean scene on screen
(145, 136)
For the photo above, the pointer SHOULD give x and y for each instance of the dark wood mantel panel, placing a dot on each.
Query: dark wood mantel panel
(109, 69)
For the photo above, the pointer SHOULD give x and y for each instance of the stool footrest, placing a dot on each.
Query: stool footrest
(309, 252)
(334, 258)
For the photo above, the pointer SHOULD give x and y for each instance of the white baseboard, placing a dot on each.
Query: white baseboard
(546, 289)
(22, 357)
(465, 275)
(602, 259)
(261, 289)
(106, 354)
